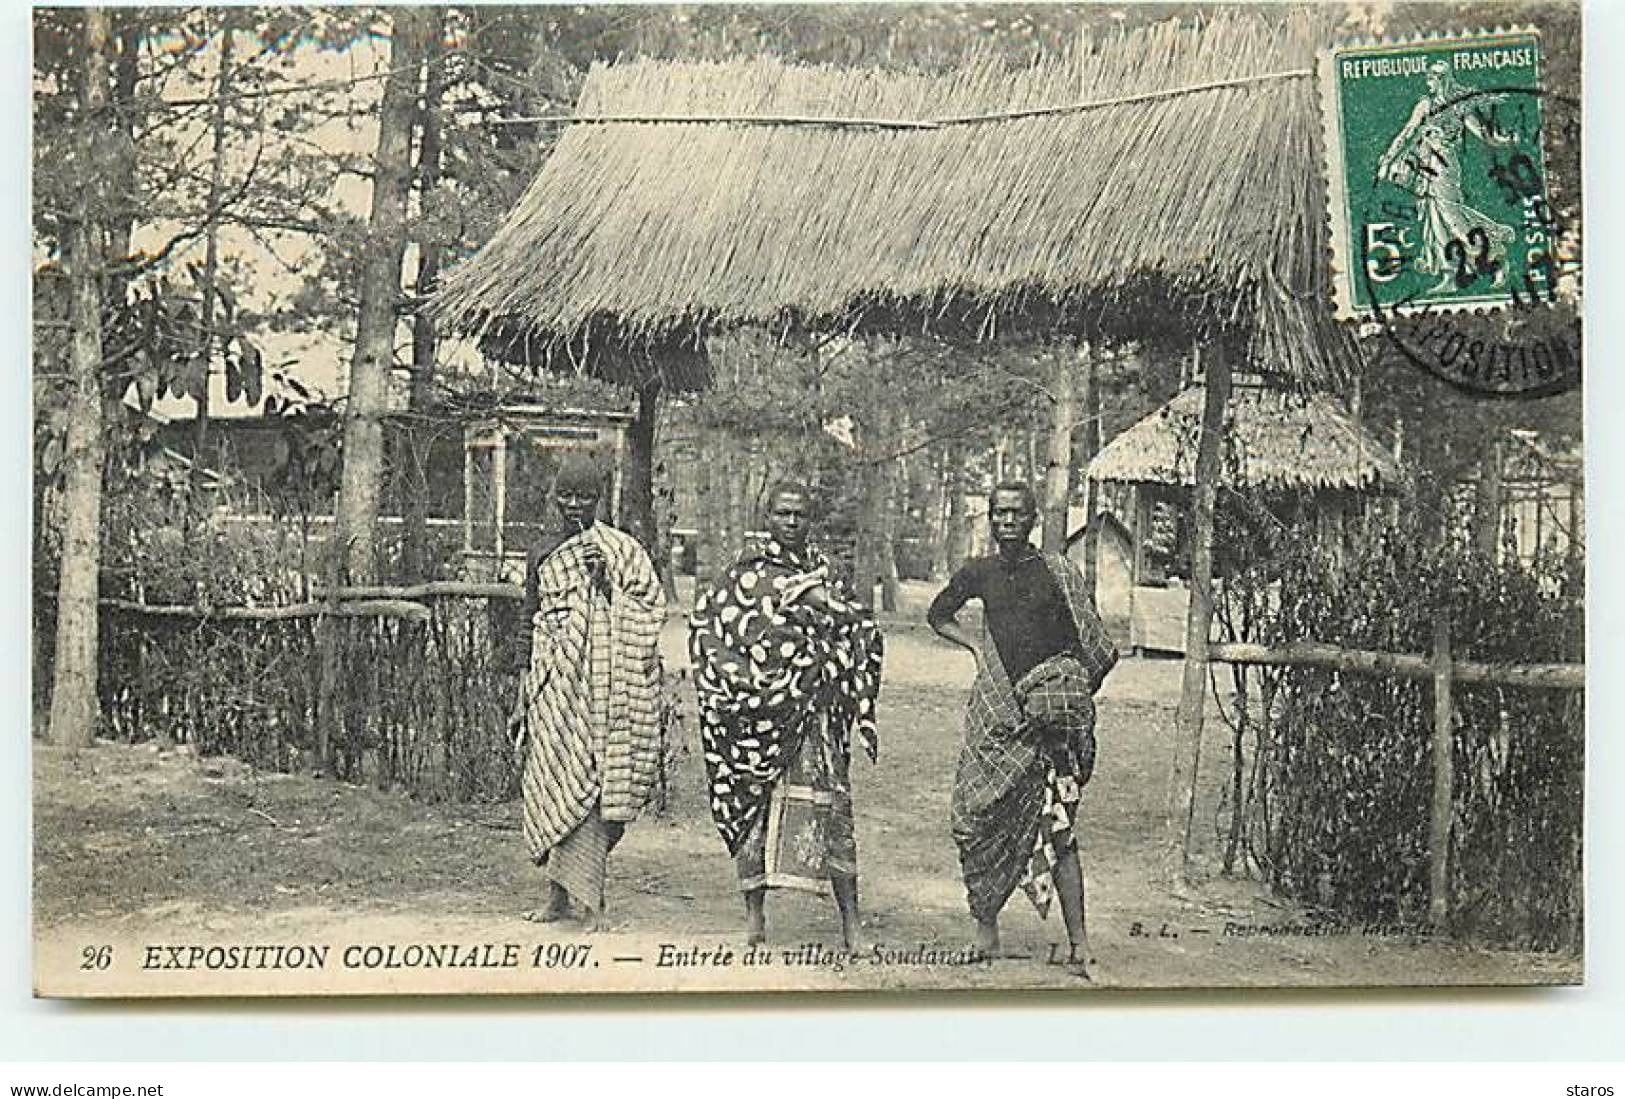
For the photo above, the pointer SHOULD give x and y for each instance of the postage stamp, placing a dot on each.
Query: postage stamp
(1436, 174)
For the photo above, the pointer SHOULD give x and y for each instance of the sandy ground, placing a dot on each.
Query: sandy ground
(136, 849)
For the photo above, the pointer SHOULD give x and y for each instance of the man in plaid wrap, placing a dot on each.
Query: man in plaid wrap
(1029, 726)
(587, 719)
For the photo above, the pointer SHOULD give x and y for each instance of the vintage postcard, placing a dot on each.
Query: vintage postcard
(775, 498)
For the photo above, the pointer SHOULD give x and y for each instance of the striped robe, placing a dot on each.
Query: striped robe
(591, 705)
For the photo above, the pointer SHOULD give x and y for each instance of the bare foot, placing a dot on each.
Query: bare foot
(594, 922)
(556, 908)
(852, 937)
(987, 938)
(1078, 962)
(756, 917)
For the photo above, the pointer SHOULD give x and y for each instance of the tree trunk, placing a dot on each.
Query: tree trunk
(356, 524)
(735, 475)
(937, 508)
(1058, 473)
(707, 539)
(866, 566)
(958, 514)
(1181, 809)
(73, 686)
(893, 499)
(1442, 807)
(130, 26)
(421, 436)
(211, 247)
(890, 581)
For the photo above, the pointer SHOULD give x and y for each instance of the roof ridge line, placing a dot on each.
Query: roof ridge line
(840, 122)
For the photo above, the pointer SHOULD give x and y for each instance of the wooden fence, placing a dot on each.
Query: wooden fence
(327, 605)
(1443, 671)
(446, 684)
(1440, 668)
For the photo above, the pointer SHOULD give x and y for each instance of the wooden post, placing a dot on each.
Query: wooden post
(1487, 492)
(499, 492)
(1444, 778)
(1090, 404)
(1058, 474)
(1540, 517)
(1573, 539)
(468, 489)
(637, 510)
(327, 688)
(1181, 810)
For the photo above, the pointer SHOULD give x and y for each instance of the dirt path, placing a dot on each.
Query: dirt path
(138, 848)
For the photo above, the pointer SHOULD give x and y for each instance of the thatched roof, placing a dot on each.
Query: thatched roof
(653, 234)
(1274, 439)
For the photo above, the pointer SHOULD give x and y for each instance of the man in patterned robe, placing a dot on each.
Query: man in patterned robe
(1029, 726)
(587, 715)
(787, 665)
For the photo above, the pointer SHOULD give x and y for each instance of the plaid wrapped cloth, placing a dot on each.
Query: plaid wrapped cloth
(592, 691)
(770, 667)
(1029, 748)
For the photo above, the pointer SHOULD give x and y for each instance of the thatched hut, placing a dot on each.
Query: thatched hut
(689, 197)
(1157, 180)
(1300, 454)
(1134, 177)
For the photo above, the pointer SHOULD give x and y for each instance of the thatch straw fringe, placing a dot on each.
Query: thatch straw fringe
(645, 234)
(1276, 440)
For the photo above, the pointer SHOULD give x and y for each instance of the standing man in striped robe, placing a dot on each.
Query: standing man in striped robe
(587, 721)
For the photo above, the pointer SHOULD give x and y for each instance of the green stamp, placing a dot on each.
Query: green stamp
(1436, 176)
